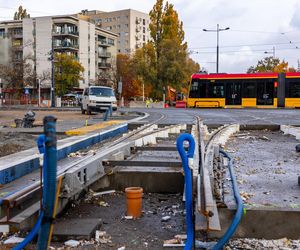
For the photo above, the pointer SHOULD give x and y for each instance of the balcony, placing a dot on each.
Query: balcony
(66, 46)
(138, 29)
(102, 65)
(16, 34)
(103, 42)
(17, 47)
(104, 54)
(65, 33)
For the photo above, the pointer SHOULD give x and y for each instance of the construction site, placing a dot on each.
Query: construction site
(150, 179)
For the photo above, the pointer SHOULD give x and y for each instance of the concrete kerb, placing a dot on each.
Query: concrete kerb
(19, 164)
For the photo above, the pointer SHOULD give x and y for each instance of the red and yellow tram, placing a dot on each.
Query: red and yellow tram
(245, 90)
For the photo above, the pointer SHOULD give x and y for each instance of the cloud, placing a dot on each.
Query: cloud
(250, 22)
(295, 20)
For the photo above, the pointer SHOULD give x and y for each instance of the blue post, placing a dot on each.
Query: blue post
(110, 110)
(105, 117)
(49, 176)
(188, 185)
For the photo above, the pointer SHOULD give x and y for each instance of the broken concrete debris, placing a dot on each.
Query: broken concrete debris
(103, 204)
(165, 218)
(13, 240)
(72, 243)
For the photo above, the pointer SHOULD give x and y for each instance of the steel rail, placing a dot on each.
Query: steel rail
(20, 196)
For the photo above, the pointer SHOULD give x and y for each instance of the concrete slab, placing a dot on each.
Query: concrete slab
(151, 179)
(262, 223)
(75, 229)
(22, 163)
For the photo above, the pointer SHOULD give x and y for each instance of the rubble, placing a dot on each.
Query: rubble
(13, 240)
(165, 218)
(72, 243)
(280, 244)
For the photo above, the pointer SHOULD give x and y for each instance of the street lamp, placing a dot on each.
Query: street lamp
(217, 30)
(273, 52)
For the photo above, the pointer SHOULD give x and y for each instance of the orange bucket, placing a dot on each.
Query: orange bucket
(134, 197)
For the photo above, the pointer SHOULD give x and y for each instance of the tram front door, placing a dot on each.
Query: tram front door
(265, 93)
(234, 93)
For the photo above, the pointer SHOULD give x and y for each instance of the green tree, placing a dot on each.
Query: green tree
(164, 60)
(271, 64)
(21, 13)
(68, 72)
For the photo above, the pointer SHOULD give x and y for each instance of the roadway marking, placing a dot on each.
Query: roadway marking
(88, 129)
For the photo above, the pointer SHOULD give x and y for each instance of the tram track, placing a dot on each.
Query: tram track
(18, 200)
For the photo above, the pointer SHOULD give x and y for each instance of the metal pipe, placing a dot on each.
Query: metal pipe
(49, 176)
(185, 156)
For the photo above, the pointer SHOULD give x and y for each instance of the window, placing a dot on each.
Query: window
(249, 89)
(216, 90)
(111, 41)
(119, 26)
(2, 32)
(144, 30)
(144, 38)
(144, 21)
(294, 88)
(102, 92)
(126, 25)
(126, 33)
(198, 89)
(114, 19)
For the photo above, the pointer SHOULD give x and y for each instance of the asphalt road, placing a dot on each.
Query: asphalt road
(224, 116)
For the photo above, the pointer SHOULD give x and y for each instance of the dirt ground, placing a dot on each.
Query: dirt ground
(148, 232)
(14, 142)
(267, 168)
(7, 117)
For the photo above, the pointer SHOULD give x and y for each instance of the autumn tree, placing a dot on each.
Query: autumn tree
(271, 64)
(164, 60)
(131, 84)
(21, 14)
(68, 72)
(18, 73)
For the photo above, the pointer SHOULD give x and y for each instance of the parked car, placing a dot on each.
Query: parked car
(98, 99)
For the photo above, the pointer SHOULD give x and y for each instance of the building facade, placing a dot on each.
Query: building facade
(132, 27)
(37, 38)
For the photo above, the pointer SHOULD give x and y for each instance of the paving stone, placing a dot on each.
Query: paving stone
(75, 229)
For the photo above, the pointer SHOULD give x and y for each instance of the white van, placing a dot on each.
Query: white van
(98, 99)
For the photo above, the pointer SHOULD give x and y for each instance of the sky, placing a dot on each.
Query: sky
(257, 28)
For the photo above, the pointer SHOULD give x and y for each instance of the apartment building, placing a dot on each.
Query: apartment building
(132, 27)
(37, 37)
